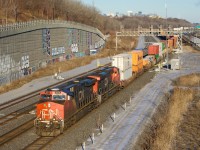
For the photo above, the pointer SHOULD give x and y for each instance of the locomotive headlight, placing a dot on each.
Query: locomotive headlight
(49, 105)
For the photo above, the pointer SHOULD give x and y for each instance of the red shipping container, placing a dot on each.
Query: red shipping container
(170, 43)
(153, 49)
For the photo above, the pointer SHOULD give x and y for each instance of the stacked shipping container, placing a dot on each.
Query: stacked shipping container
(153, 49)
(124, 63)
(170, 44)
(137, 61)
(146, 63)
(175, 41)
(133, 62)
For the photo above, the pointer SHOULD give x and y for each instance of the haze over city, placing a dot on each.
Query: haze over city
(181, 9)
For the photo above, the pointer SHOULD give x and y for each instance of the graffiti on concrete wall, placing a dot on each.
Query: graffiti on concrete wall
(58, 51)
(98, 44)
(11, 70)
(5, 64)
(74, 48)
(4, 79)
(46, 41)
(25, 65)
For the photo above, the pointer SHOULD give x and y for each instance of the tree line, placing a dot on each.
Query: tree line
(74, 10)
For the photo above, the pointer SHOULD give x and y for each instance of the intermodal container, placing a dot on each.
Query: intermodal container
(124, 63)
(153, 49)
(137, 57)
(151, 58)
(170, 43)
(137, 68)
(160, 47)
(163, 46)
(175, 41)
(146, 62)
(175, 64)
(157, 56)
(164, 52)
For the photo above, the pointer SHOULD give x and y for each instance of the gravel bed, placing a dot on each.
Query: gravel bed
(15, 123)
(81, 130)
(21, 141)
(18, 106)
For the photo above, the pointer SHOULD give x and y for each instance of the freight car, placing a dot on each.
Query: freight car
(62, 106)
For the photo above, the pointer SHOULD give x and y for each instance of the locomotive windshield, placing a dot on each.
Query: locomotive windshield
(46, 97)
(58, 97)
(51, 95)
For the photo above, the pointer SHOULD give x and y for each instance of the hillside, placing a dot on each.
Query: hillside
(146, 22)
(74, 10)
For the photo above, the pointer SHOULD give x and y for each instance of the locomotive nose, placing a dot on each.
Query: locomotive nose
(48, 125)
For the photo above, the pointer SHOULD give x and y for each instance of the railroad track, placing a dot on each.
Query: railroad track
(35, 93)
(39, 143)
(15, 114)
(16, 132)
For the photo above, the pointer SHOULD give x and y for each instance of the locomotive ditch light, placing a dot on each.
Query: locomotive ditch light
(47, 125)
(49, 105)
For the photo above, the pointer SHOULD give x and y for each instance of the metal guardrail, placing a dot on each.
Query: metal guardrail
(38, 24)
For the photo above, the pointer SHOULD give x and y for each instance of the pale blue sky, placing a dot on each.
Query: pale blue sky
(184, 9)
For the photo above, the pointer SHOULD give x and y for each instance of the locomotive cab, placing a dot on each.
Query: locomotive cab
(50, 112)
(53, 95)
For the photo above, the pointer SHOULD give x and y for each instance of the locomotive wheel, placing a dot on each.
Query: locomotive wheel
(38, 131)
(73, 120)
(61, 130)
(41, 129)
(67, 124)
(51, 130)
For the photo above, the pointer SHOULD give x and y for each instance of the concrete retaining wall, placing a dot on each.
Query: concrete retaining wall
(26, 47)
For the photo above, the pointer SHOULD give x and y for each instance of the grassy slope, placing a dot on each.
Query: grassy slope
(176, 123)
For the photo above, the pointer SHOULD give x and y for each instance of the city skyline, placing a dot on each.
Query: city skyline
(182, 9)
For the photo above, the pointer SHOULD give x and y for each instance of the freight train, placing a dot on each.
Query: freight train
(62, 106)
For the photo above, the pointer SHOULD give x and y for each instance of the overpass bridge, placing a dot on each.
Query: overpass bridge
(27, 46)
(154, 32)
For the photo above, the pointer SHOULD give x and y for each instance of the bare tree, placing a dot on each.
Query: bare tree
(75, 10)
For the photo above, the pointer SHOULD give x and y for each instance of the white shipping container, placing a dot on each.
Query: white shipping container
(175, 64)
(125, 75)
(124, 63)
(160, 48)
